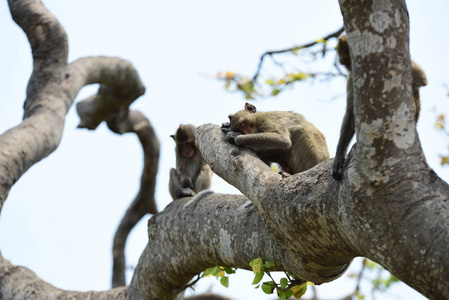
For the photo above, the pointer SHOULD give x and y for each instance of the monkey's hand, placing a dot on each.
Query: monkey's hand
(226, 127)
(231, 135)
(186, 182)
(337, 168)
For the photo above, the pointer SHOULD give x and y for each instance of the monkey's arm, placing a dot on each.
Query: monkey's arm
(346, 133)
(204, 179)
(264, 141)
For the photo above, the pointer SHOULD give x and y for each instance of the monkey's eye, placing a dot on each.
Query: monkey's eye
(242, 125)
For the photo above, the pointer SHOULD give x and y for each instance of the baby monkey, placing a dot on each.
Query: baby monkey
(192, 174)
(347, 130)
(282, 137)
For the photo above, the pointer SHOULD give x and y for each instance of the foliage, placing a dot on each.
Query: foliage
(287, 287)
(219, 272)
(256, 87)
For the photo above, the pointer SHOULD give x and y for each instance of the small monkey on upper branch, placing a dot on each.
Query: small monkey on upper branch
(282, 137)
(347, 130)
(192, 174)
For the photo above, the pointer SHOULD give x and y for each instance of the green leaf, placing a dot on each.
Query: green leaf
(256, 264)
(270, 82)
(258, 277)
(224, 281)
(268, 287)
(270, 264)
(282, 295)
(228, 270)
(275, 92)
(257, 286)
(288, 293)
(299, 290)
(284, 282)
(216, 271)
(209, 272)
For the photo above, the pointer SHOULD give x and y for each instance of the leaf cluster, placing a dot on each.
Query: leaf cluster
(220, 272)
(287, 287)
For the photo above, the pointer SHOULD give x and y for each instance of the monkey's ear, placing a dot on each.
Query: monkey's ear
(250, 108)
(173, 137)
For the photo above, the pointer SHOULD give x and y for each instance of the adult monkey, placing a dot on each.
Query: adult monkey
(283, 137)
(192, 174)
(347, 130)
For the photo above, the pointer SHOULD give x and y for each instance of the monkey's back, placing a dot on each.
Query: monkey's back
(308, 147)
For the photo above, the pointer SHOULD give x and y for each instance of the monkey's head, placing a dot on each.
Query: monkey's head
(343, 52)
(244, 121)
(185, 140)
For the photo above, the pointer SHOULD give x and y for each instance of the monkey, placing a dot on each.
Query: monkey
(192, 174)
(347, 130)
(281, 137)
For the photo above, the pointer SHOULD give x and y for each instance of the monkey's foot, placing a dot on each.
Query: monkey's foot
(338, 167)
(184, 192)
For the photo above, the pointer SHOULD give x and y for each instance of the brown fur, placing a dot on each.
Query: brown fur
(347, 130)
(283, 137)
(192, 174)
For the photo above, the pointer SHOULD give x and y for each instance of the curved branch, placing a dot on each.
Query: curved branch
(47, 37)
(144, 203)
(46, 105)
(51, 90)
(120, 86)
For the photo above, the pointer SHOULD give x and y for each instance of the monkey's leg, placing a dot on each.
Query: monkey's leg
(204, 179)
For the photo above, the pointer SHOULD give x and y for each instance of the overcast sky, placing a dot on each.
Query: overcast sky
(60, 217)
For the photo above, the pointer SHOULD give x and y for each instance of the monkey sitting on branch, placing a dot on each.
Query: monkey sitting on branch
(192, 174)
(281, 137)
(347, 130)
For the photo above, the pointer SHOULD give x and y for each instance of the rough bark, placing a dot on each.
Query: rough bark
(389, 207)
(230, 233)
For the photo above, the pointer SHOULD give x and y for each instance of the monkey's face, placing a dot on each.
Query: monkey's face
(243, 122)
(188, 149)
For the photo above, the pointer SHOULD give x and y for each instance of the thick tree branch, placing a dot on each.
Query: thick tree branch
(400, 196)
(327, 223)
(230, 233)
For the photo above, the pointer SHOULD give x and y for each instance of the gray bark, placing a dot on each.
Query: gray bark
(389, 207)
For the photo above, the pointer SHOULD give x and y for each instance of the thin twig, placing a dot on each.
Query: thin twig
(332, 35)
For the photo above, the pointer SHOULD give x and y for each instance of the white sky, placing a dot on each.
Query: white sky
(60, 217)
